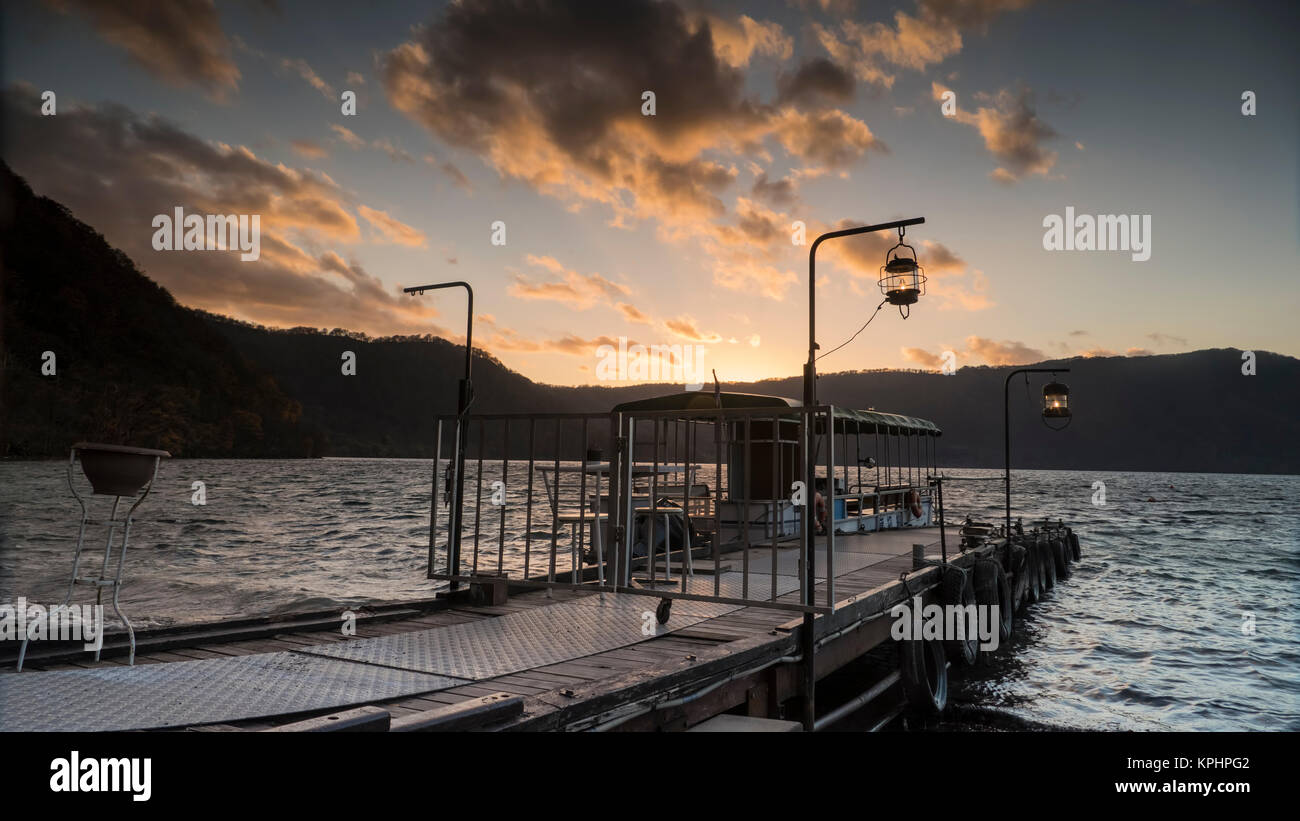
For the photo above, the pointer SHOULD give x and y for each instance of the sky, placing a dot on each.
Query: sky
(508, 144)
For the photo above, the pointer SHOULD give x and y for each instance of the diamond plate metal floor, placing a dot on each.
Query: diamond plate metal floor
(328, 676)
(208, 691)
(522, 641)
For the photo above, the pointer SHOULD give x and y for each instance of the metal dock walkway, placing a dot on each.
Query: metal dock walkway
(579, 659)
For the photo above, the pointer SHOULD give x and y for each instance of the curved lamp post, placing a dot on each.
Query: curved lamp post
(1056, 405)
(465, 396)
(890, 279)
(887, 283)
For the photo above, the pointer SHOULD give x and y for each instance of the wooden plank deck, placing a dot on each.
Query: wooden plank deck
(582, 692)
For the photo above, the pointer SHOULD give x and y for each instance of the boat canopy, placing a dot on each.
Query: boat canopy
(847, 420)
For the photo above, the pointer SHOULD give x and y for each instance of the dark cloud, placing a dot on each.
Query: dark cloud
(777, 192)
(551, 93)
(1167, 339)
(815, 79)
(116, 170)
(969, 13)
(180, 41)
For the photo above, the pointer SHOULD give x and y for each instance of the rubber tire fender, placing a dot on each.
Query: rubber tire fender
(1018, 560)
(1074, 546)
(1047, 565)
(924, 672)
(958, 588)
(1033, 575)
(992, 588)
(1061, 552)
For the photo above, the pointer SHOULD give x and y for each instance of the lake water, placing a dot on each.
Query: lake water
(1148, 634)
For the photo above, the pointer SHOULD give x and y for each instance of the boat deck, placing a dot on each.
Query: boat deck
(578, 658)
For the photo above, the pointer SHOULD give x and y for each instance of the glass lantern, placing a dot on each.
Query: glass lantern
(1056, 400)
(902, 280)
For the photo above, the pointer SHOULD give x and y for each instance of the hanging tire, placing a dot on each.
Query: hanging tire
(1061, 553)
(958, 589)
(924, 671)
(1075, 550)
(993, 590)
(1018, 562)
(1033, 575)
(1047, 565)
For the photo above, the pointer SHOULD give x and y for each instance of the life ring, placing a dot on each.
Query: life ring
(914, 504)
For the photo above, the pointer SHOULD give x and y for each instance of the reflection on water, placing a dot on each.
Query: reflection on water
(1147, 634)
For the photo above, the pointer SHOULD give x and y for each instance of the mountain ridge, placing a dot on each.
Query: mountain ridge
(135, 366)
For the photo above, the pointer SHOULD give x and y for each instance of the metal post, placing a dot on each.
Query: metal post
(1006, 430)
(809, 400)
(433, 498)
(807, 633)
(943, 533)
(465, 396)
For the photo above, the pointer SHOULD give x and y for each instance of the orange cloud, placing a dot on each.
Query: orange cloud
(392, 229)
(1012, 133)
(912, 42)
(687, 328)
(308, 148)
(579, 290)
(1005, 352)
(632, 313)
(922, 357)
(736, 41)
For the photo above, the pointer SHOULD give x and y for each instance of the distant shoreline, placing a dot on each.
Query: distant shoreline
(15, 459)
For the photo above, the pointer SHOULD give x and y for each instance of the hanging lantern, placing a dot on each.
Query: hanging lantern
(1056, 400)
(902, 280)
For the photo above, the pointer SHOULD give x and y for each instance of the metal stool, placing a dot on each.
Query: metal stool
(575, 520)
(667, 512)
(120, 472)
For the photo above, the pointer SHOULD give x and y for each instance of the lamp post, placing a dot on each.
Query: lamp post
(464, 397)
(1056, 405)
(807, 633)
(810, 369)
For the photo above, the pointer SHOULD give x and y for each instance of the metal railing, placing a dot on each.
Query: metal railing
(713, 505)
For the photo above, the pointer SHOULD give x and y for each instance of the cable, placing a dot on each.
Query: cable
(855, 333)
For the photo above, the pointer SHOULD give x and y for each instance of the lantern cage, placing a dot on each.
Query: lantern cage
(902, 280)
(1056, 400)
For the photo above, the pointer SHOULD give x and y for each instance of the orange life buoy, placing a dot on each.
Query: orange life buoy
(914, 504)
